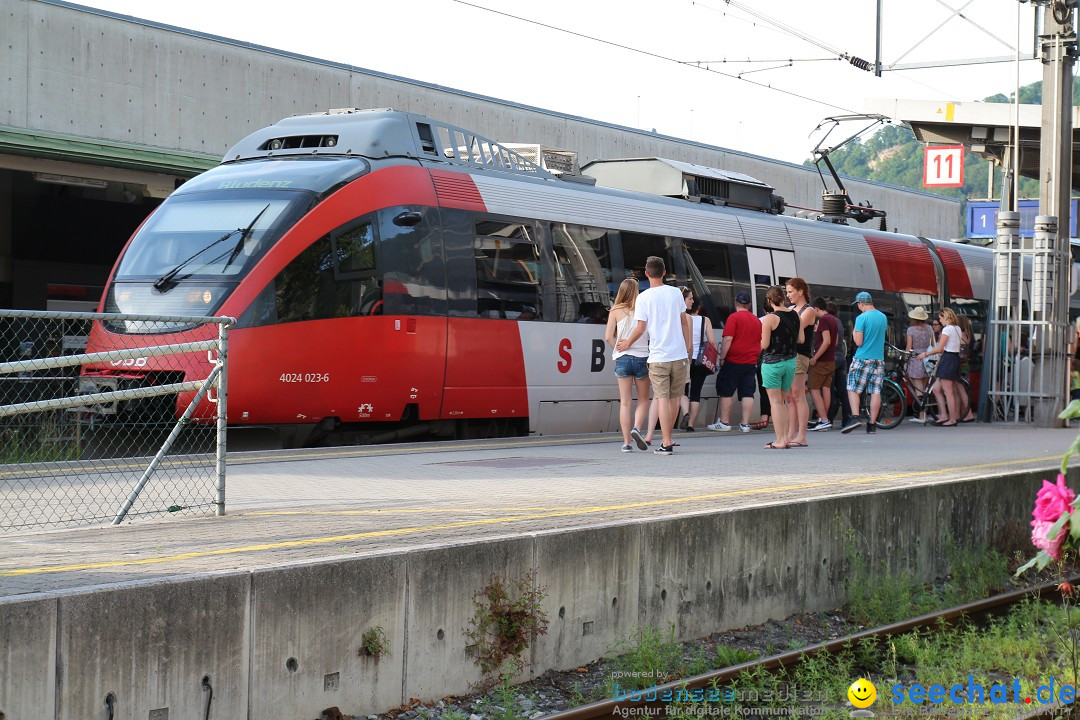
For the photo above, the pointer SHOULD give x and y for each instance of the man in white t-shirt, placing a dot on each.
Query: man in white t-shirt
(661, 311)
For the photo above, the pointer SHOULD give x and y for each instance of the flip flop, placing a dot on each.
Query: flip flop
(770, 446)
(760, 425)
(796, 444)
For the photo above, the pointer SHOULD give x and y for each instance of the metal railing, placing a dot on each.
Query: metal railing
(99, 421)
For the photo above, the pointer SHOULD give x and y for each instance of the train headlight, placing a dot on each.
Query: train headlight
(275, 144)
(207, 296)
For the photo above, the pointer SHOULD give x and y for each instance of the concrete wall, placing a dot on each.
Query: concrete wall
(144, 83)
(284, 643)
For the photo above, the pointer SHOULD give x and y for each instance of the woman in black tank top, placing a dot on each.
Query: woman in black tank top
(798, 294)
(779, 334)
(782, 341)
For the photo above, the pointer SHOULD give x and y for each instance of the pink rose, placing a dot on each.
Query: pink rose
(1039, 528)
(1052, 500)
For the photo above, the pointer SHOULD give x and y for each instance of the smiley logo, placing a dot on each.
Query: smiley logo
(862, 693)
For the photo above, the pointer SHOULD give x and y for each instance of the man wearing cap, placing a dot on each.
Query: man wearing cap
(868, 366)
(738, 370)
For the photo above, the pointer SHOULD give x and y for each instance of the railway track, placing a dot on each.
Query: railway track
(649, 704)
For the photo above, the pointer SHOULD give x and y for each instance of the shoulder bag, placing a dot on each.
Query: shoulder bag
(708, 355)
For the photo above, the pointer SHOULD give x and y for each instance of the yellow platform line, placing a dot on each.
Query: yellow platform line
(308, 542)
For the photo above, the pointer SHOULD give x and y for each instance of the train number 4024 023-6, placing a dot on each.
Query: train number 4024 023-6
(305, 377)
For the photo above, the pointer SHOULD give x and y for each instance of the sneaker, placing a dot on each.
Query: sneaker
(641, 444)
(822, 425)
(664, 450)
(719, 426)
(853, 425)
(628, 448)
(743, 427)
(921, 421)
(871, 428)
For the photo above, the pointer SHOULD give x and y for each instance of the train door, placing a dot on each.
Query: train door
(768, 267)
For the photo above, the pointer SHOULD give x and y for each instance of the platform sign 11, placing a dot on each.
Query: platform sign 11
(943, 166)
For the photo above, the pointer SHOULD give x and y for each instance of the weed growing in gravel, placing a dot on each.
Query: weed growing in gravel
(878, 595)
(577, 696)
(727, 656)
(646, 660)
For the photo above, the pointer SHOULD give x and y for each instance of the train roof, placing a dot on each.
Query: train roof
(377, 134)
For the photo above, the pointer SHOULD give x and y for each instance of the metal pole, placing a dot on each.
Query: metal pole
(222, 416)
(1050, 304)
(1000, 342)
(877, 43)
(166, 446)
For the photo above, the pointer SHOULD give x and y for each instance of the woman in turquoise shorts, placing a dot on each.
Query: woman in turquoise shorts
(779, 333)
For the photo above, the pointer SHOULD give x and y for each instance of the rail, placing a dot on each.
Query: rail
(653, 698)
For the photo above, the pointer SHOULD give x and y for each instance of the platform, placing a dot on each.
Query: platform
(303, 505)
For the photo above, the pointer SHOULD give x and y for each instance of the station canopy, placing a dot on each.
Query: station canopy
(984, 128)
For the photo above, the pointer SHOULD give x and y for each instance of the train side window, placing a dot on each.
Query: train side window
(583, 271)
(354, 250)
(507, 270)
(636, 249)
(713, 263)
(329, 279)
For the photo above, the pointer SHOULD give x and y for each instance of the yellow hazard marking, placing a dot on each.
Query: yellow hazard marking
(950, 111)
(308, 542)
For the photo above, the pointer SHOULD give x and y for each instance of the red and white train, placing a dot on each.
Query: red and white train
(395, 275)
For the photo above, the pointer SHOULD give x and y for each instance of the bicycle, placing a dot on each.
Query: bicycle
(903, 386)
(893, 407)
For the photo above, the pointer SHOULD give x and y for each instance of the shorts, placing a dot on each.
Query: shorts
(820, 375)
(948, 367)
(778, 375)
(736, 376)
(866, 375)
(802, 364)
(669, 378)
(631, 366)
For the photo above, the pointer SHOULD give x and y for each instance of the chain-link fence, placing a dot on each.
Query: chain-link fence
(105, 416)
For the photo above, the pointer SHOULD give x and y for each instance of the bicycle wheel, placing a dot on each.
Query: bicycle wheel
(893, 407)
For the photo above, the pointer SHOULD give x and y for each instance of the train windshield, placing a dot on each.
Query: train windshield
(205, 235)
(196, 248)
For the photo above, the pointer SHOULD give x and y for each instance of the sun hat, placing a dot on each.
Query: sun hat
(864, 297)
(918, 313)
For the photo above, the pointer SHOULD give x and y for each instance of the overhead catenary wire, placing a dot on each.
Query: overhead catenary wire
(657, 56)
(794, 32)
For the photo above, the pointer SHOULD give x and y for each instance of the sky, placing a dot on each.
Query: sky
(669, 65)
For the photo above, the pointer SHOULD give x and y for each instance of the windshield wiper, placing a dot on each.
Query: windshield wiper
(169, 280)
(243, 238)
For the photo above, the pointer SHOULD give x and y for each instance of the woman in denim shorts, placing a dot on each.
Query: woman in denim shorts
(631, 366)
